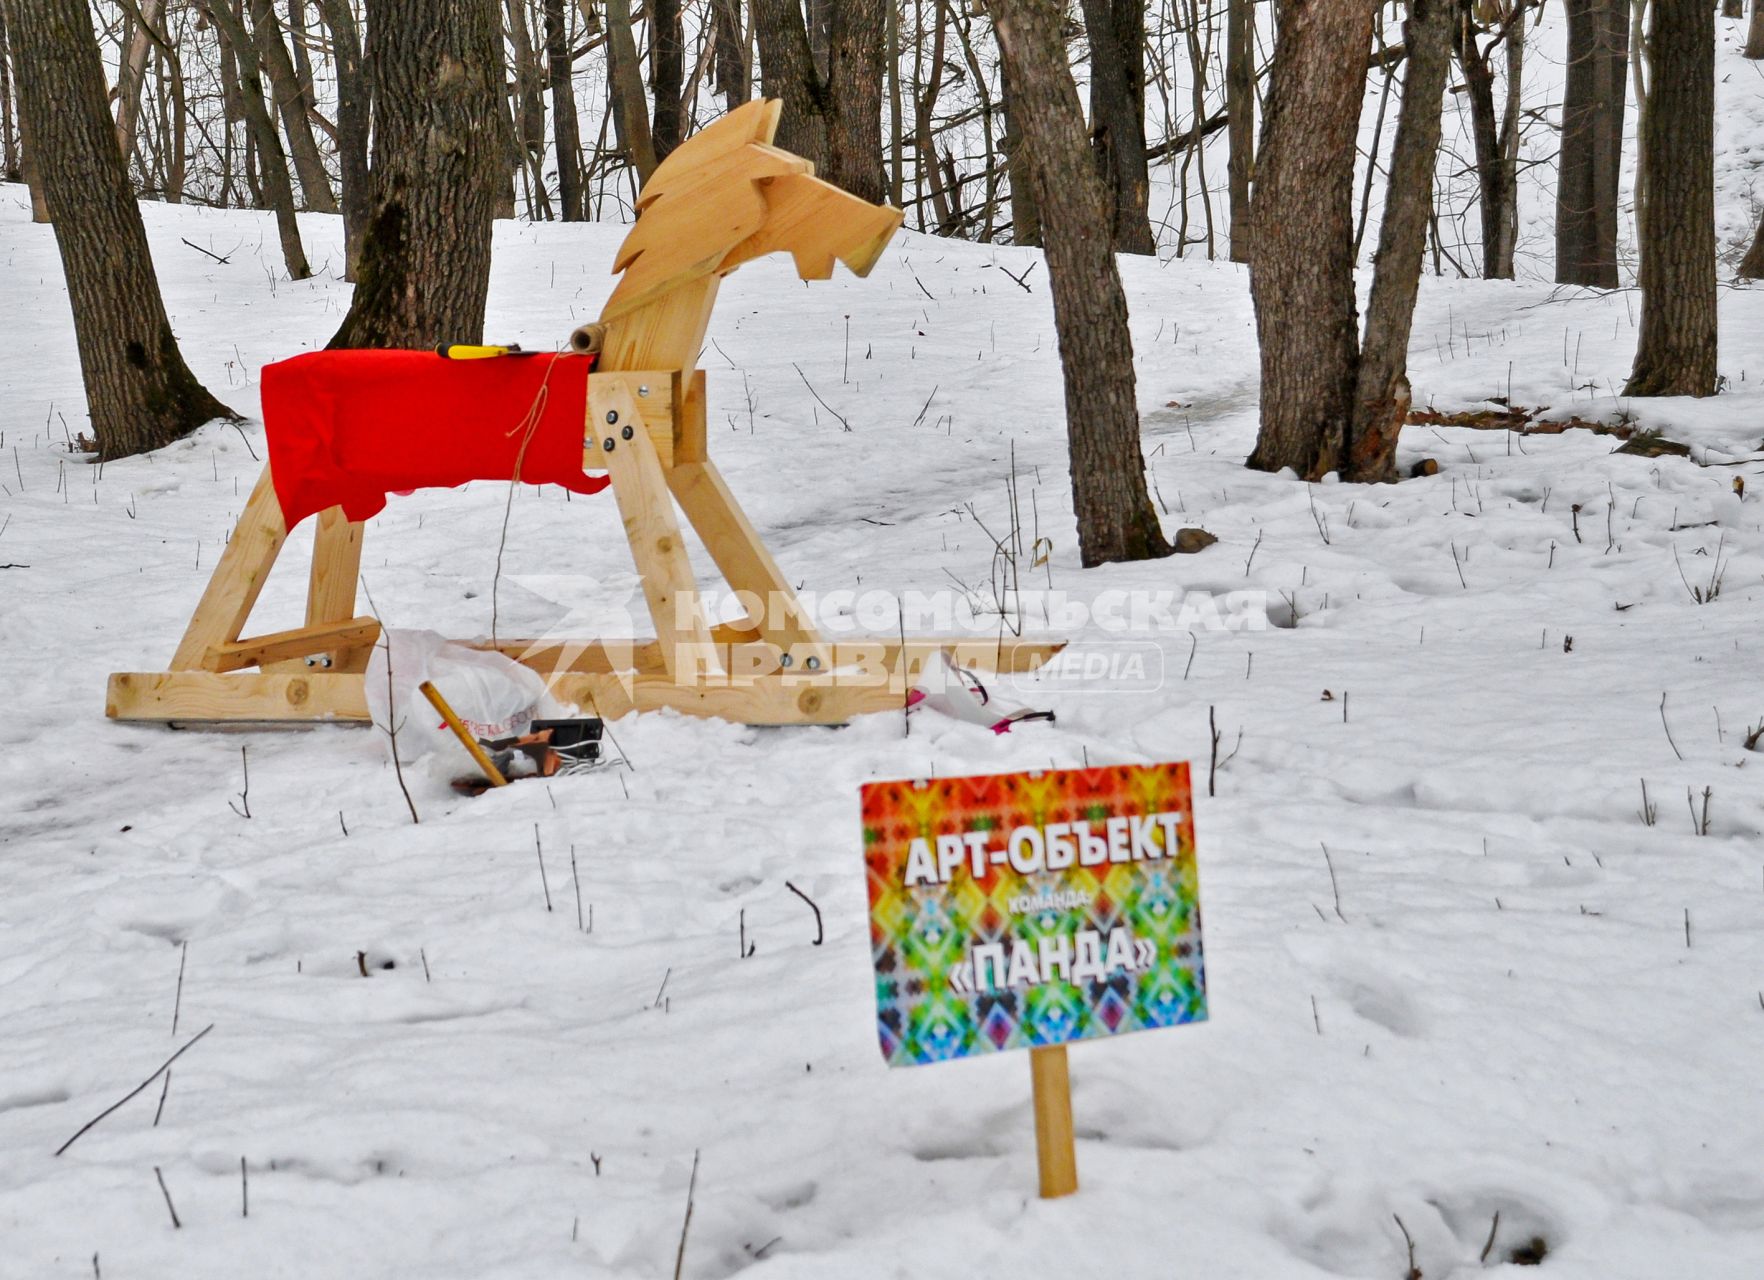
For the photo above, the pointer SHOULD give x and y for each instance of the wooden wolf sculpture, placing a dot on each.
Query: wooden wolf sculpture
(722, 198)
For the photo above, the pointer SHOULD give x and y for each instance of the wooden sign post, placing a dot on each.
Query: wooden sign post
(1055, 1150)
(1029, 910)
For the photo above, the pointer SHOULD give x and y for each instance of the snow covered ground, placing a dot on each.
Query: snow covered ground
(1526, 999)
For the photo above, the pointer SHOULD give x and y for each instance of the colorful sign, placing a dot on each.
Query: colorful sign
(1025, 909)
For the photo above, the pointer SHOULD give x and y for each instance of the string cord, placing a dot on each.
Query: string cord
(526, 428)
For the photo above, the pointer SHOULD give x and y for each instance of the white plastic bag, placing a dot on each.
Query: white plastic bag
(495, 696)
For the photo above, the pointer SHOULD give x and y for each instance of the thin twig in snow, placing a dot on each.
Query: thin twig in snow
(1333, 887)
(843, 420)
(540, 853)
(1492, 1228)
(691, 1189)
(1213, 758)
(132, 1092)
(820, 931)
(245, 795)
(199, 249)
(924, 408)
(1668, 728)
(394, 722)
(169, 1207)
(577, 880)
(178, 1003)
(1414, 1272)
(165, 1089)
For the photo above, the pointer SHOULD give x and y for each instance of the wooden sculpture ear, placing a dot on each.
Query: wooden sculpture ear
(752, 122)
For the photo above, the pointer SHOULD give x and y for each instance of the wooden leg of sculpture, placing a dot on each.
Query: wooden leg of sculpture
(237, 579)
(657, 544)
(330, 593)
(197, 688)
(739, 552)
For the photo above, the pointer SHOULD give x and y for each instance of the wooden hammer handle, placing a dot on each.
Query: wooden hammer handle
(463, 734)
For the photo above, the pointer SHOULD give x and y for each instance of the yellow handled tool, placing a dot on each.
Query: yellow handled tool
(464, 351)
(463, 734)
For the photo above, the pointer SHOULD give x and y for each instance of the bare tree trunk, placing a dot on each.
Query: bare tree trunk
(1751, 267)
(1240, 108)
(1592, 143)
(31, 173)
(529, 110)
(278, 189)
(787, 72)
(180, 129)
(1115, 516)
(298, 44)
(438, 160)
(1511, 119)
(667, 75)
(989, 178)
(1676, 353)
(290, 99)
(854, 77)
(1025, 212)
(139, 391)
(132, 73)
(27, 154)
(231, 113)
(630, 107)
(1302, 259)
(897, 108)
(173, 113)
(1733, 8)
(9, 144)
(731, 74)
(353, 110)
(1381, 401)
(504, 204)
(925, 95)
(1755, 31)
(832, 117)
(1496, 141)
(1116, 29)
(571, 195)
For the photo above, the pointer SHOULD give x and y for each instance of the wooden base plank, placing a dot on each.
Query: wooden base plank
(210, 695)
(772, 701)
(341, 696)
(865, 677)
(739, 650)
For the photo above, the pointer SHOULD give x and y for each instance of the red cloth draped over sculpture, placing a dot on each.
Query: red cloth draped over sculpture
(346, 428)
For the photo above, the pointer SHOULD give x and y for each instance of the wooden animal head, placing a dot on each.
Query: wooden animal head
(726, 196)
